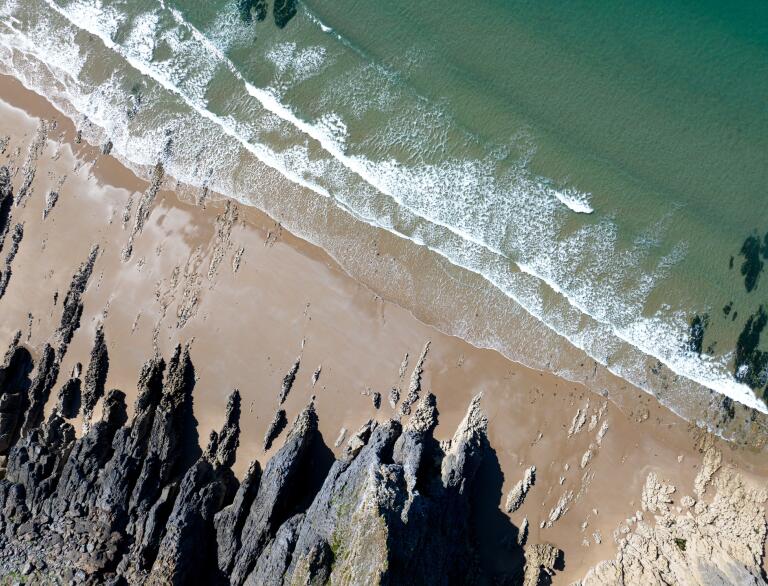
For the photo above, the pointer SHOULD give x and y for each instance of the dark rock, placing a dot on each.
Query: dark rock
(5, 275)
(278, 496)
(6, 203)
(14, 394)
(40, 389)
(69, 399)
(288, 380)
(73, 306)
(187, 552)
(96, 375)
(230, 520)
(275, 428)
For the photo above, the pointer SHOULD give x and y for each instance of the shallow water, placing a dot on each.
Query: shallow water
(578, 177)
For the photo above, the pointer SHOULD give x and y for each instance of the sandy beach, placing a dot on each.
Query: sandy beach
(251, 299)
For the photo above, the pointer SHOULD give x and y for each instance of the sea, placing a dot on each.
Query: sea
(579, 185)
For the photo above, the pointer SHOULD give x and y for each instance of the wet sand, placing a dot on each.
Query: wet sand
(287, 299)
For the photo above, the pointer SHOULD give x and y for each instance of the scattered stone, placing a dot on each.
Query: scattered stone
(237, 259)
(288, 380)
(560, 509)
(517, 495)
(522, 535)
(376, 398)
(414, 387)
(50, 201)
(222, 240)
(578, 420)
(394, 397)
(340, 438)
(144, 208)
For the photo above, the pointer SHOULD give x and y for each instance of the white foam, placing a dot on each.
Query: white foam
(575, 201)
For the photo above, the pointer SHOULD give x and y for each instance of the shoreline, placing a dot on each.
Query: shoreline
(316, 310)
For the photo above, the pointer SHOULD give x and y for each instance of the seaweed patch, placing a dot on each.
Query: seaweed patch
(751, 363)
(752, 266)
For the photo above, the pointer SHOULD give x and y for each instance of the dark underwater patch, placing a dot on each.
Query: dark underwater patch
(751, 364)
(696, 331)
(727, 308)
(284, 11)
(752, 266)
(249, 8)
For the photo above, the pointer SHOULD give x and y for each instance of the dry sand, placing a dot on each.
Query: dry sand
(289, 299)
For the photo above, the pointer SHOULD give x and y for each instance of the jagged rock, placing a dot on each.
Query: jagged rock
(560, 509)
(40, 389)
(272, 564)
(414, 387)
(316, 375)
(170, 448)
(522, 535)
(76, 489)
(144, 208)
(50, 202)
(230, 520)
(14, 397)
(394, 397)
(96, 375)
(340, 437)
(5, 275)
(37, 460)
(6, 203)
(578, 420)
(517, 495)
(275, 428)
(187, 552)
(278, 494)
(69, 398)
(130, 447)
(540, 561)
(376, 399)
(288, 381)
(73, 306)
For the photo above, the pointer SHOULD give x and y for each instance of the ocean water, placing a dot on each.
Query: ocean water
(561, 182)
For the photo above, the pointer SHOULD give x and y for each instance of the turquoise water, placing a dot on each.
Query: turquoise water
(589, 175)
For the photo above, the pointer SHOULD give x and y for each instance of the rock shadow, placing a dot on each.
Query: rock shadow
(500, 557)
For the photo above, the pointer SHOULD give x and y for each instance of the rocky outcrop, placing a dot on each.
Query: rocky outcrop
(6, 203)
(717, 542)
(73, 306)
(288, 380)
(96, 375)
(517, 495)
(5, 275)
(138, 502)
(275, 428)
